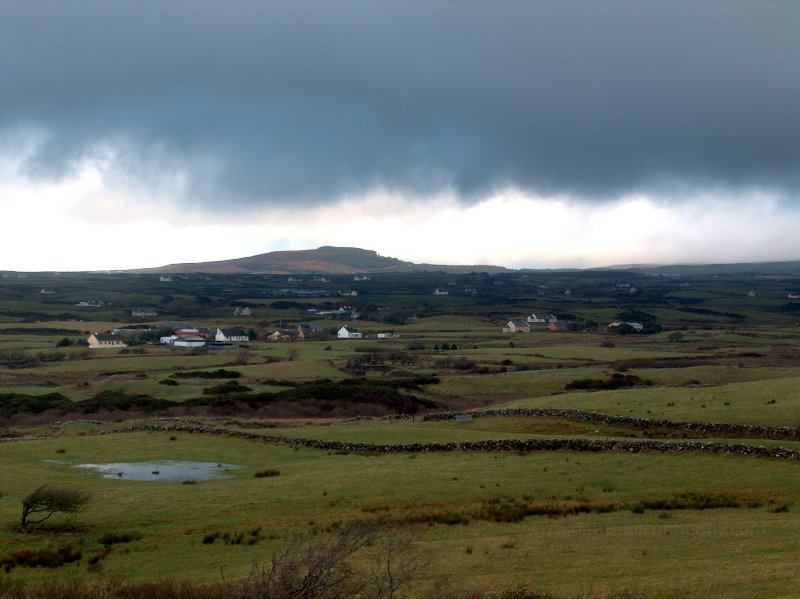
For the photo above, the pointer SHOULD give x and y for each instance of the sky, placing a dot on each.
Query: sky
(564, 133)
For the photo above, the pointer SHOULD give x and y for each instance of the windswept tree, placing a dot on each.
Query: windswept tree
(47, 500)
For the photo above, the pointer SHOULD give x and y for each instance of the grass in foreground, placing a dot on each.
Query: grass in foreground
(623, 548)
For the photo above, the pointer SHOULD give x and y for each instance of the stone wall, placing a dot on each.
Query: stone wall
(515, 445)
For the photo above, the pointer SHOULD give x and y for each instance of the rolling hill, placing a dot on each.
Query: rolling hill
(323, 260)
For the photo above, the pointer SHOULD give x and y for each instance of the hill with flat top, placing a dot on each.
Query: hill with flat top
(323, 260)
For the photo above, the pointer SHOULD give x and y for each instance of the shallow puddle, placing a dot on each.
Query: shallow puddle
(163, 470)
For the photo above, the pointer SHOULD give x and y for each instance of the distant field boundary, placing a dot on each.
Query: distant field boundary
(754, 430)
(504, 445)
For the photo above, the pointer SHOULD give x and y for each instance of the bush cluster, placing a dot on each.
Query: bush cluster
(617, 381)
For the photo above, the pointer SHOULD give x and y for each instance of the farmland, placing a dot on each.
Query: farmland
(649, 472)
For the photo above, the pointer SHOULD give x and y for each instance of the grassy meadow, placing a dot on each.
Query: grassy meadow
(565, 523)
(619, 549)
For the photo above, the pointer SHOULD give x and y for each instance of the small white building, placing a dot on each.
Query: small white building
(388, 335)
(347, 333)
(231, 335)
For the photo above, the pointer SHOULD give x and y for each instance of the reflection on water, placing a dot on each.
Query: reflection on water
(163, 470)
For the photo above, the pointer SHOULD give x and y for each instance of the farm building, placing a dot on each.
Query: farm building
(189, 341)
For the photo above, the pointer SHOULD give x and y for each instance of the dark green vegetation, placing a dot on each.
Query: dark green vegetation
(598, 465)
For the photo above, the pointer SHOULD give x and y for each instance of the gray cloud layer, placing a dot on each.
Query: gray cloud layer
(305, 101)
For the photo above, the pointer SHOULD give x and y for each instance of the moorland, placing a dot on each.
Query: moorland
(449, 459)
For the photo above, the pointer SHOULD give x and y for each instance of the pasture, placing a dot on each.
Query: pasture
(565, 522)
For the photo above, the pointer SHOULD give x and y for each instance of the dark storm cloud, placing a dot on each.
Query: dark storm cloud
(303, 101)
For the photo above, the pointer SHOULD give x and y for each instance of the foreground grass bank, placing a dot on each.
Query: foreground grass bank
(467, 512)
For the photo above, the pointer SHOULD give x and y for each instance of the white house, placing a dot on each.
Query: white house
(231, 335)
(347, 333)
(104, 341)
(542, 318)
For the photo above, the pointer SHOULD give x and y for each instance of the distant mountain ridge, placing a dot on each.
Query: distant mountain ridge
(330, 260)
(323, 260)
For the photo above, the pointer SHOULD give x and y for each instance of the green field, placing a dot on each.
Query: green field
(567, 523)
(317, 487)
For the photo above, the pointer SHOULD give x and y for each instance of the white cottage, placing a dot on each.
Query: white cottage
(347, 333)
(231, 335)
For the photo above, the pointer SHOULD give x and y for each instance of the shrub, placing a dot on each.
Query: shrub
(17, 359)
(267, 472)
(111, 538)
(52, 556)
(225, 388)
(220, 373)
(617, 381)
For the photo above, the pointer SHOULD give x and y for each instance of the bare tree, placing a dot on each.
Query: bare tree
(395, 564)
(49, 500)
(316, 566)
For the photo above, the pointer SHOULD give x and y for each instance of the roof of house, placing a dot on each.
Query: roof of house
(107, 337)
(233, 332)
(519, 323)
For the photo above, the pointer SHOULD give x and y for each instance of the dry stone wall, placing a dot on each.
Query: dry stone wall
(505, 445)
(750, 430)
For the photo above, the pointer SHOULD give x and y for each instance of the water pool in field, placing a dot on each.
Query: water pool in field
(168, 471)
